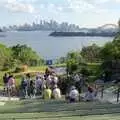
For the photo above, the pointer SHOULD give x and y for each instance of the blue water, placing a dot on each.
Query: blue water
(50, 47)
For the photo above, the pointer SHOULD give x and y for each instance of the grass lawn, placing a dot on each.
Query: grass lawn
(39, 68)
(34, 116)
(58, 110)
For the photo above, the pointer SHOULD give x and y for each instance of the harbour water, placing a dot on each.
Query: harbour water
(50, 47)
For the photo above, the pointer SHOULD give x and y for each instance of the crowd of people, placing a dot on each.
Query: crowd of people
(43, 85)
(46, 85)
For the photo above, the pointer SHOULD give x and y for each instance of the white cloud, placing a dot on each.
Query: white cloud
(77, 6)
(80, 5)
(91, 6)
(118, 1)
(17, 6)
(96, 1)
(51, 8)
(28, 1)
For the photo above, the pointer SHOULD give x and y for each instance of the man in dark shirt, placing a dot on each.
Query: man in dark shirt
(5, 81)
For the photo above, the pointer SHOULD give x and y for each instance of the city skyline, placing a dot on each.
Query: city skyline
(85, 13)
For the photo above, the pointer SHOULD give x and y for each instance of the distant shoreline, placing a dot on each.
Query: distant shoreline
(82, 34)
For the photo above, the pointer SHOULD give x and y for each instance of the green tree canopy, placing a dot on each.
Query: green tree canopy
(111, 59)
(25, 54)
(111, 51)
(75, 55)
(74, 60)
(5, 55)
(91, 53)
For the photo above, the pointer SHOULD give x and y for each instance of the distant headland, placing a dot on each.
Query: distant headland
(90, 34)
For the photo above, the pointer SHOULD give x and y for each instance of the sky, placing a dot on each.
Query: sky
(85, 13)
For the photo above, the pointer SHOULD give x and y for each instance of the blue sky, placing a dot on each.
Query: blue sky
(85, 13)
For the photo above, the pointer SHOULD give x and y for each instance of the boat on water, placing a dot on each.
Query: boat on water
(82, 34)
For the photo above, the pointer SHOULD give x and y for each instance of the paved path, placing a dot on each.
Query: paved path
(109, 95)
(9, 98)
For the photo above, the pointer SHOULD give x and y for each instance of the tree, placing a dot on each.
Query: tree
(25, 55)
(75, 55)
(111, 51)
(61, 60)
(72, 66)
(5, 55)
(91, 53)
(111, 56)
(74, 60)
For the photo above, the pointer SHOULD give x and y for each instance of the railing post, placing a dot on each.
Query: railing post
(102, 90)
(118, 95)
(9, 93)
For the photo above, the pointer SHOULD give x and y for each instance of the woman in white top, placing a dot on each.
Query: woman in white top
(56, 92)
(74, 94)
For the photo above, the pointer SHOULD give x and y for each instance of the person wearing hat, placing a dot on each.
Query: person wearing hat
(73, 95)
(56, 92)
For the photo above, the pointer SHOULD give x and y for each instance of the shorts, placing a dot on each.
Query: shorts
(11, 86)
(6, 86)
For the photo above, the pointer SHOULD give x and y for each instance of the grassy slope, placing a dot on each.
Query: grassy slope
(35, 117)
(40, 109)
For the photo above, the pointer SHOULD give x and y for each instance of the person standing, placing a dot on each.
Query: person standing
(11, 85)
(24, 86)
(28, 78)
(78, 82)
(47, 93)
(32, 88)
(49, 81)
(5, 81)
(55, 80)
(73, 95)
(56, 92)
(38, 85)
(90, 94)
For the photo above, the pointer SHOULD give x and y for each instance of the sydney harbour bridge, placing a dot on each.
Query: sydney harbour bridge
(105, 26)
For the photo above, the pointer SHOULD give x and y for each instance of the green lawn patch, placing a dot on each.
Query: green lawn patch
(58, 110)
